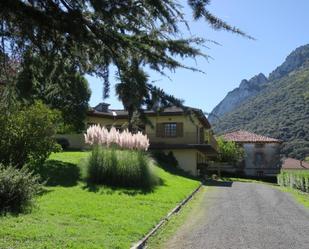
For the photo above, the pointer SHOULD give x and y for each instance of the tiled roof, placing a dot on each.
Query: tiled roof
(248, 137)
(291, 163)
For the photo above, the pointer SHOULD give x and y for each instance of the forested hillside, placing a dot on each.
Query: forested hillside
(281, 110)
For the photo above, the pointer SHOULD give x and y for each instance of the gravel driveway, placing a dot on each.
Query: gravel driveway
(245, 216)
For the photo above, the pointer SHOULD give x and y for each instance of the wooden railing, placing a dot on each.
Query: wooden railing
(187, 138)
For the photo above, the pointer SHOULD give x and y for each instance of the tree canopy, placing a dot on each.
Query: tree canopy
(229, 151)
(57, 84)
(92, 35)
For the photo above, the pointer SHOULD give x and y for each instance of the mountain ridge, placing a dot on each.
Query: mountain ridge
(247, 89)
(280, 109)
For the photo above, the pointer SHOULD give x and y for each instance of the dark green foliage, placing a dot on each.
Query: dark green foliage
(58, 173)
(27, 134)
(17, 189)
(57, 83)
(279, 111)
(124, 168)
(90, 36)
(229, 151)
(94, 34)
(63, 142)
(298, 179)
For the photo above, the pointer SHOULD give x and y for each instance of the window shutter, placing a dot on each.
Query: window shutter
(160, 130)
(179, 132)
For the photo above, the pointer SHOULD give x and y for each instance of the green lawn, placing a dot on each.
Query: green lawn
(75, 216)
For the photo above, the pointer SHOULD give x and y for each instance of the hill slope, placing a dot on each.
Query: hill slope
(279, 109)
(250, 88)
(246, 89)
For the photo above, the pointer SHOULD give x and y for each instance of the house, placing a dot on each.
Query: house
(262, 154)
(294, 164)
(185, 133)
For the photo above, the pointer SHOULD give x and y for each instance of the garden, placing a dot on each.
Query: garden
(107, 197)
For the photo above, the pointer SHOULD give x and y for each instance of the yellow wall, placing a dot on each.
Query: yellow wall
(190, 127)
(186, 159)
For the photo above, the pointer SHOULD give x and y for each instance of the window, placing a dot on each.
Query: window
(170, 129)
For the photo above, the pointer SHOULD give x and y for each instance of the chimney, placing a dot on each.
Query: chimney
(301, 163)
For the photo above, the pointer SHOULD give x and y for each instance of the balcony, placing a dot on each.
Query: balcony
(204, 141)
(187, 138)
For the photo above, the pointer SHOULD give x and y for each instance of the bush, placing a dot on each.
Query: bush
(63, 142)
(294, 179)
(17, 189)
(27, 134)
(125, 168)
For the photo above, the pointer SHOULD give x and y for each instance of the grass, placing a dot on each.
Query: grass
(166, 232)
(74, 216)
(126, 168)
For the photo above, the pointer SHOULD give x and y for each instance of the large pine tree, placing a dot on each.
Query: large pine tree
(94, 34)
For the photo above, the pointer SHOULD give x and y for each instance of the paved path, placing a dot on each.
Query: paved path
(245, 216)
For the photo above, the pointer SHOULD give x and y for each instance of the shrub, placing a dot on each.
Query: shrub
(27, 134)
(63, 142)
(115, 167)
(294, 179)
(17, 189)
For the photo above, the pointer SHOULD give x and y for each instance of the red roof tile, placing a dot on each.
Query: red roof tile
(248, 137)
(291, 163)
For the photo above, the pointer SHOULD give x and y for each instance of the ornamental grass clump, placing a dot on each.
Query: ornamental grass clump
(119, 158)
(18, 188)
(97, 135)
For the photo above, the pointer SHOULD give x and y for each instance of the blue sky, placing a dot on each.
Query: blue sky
(279, 27)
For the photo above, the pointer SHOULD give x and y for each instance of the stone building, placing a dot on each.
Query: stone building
(262, 154)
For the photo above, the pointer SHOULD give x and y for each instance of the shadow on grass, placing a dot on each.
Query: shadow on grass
(174, 170)
(58, 173)
(131, 191)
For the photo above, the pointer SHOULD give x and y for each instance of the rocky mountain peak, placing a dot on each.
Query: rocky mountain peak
(295, 60)
(233, 99)
(254, 82)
